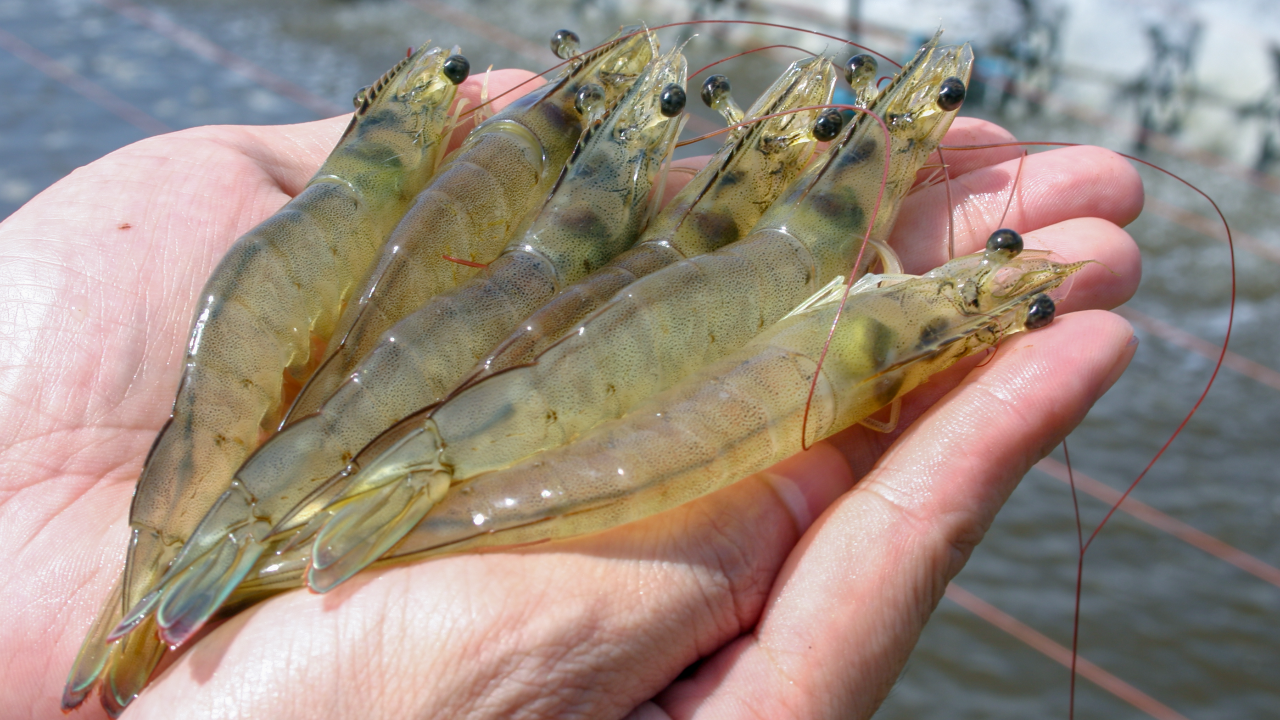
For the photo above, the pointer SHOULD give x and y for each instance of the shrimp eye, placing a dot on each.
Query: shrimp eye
(565, 44)
(1004, 241)
(671, 102)
(590, 97)
(714, 89)
(361, 96)
(456, 68)
(951, 94)
(1040, 312)
(860, 69)
(828, 125)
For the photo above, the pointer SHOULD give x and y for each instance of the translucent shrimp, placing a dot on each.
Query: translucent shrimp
(474, 206)
(594, 212)
(278, 290)
(721, 203)
(659, 329)
(747, 411)
(718, 205)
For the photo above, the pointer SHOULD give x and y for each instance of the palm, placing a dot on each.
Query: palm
(99, 277)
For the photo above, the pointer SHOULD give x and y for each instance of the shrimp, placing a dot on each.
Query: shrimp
(593, 213)
(278, 290)
(715, 207)
(475, 205)
(754, 407)
(718, 206)
(660, 328)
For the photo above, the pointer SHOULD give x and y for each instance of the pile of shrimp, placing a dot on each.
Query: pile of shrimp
(422, 354)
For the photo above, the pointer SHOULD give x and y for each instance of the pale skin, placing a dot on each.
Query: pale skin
(801, 590)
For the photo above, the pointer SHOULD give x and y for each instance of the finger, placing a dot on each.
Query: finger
(854, 595)
(1051, 187)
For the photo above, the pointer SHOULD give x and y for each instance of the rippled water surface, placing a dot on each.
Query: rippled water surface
(1192, 632)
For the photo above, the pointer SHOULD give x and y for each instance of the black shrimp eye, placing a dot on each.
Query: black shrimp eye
(828, 125)
(1005, 241)
(713, 89)
(361, 96)
(1040, 312)
(456, 68)
(671, 102)
(951, 94)
(565, 44)
(859, 69)
(589, 98)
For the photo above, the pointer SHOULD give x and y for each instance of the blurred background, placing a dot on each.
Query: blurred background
(1181, 595)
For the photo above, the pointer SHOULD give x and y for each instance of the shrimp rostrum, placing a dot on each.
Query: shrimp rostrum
(277, 292)
(667, 324)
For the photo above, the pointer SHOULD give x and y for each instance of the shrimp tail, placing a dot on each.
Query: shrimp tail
(371, 517)
(94, 654)
(203, 575)
(365, 527)
(129, 668)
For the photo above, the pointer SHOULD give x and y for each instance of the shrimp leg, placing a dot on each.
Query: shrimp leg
(594, 212)
(666, 325)
(278, 290)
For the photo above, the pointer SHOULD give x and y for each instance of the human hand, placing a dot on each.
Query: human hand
(789, 615)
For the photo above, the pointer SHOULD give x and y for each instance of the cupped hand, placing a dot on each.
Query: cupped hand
(796, 592)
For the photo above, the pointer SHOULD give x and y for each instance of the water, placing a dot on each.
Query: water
(1197, 634)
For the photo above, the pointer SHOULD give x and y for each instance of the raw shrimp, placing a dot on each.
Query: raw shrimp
(474, 206)
(721, 203)
(278, 290)
(594, 212)
(662, 327)
(747, 411)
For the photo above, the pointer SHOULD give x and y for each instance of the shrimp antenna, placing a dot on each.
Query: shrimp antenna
(862, 249)
(951, 208)
(1013, 190)
(1230, 315)
(748, 52)
(843, 41)
(1217, 367)
(562, 63)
